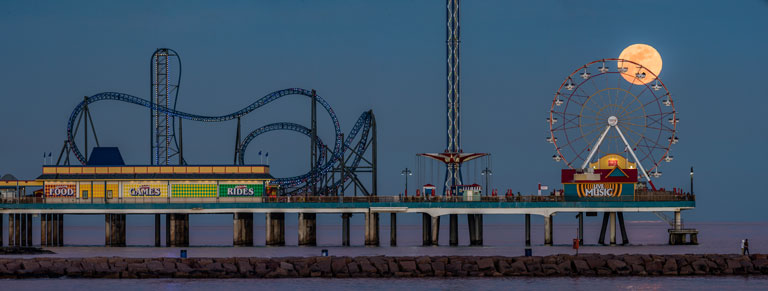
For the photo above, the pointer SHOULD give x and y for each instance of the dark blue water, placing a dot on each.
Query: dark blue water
(591, 284)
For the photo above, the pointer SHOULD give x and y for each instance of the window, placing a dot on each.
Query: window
(85, 194)
(109, 194)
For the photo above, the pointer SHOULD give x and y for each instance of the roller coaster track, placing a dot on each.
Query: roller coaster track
(362, 125)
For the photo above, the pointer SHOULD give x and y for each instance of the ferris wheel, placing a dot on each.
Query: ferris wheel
(613, 106)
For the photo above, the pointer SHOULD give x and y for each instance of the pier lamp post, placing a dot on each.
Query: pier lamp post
(406, 172)
(691, 180)
(487, 173)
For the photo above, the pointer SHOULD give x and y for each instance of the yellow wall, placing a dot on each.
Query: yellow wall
(98, 190)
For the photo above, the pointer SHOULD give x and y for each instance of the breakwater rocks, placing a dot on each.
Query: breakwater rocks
(380, 266)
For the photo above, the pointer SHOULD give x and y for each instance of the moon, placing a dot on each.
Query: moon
(645, 55)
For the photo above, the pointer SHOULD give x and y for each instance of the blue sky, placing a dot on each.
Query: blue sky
(389, 56)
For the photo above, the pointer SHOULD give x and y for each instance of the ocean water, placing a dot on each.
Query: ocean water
(585, 283)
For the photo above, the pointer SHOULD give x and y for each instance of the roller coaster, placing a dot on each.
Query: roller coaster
(344, 158)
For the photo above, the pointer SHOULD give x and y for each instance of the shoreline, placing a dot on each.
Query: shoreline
(385, 267)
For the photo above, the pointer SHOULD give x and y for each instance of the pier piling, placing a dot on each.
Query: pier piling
(29, 230)
(371, 229)
(581, 228)
(157, 230)
(242, 229)
(527, 230)
(475, 222)
(454, 229)
(178, 229)
(548, 225)
(426, 229)
(612, 227)
(307, 229)
(345, 229)
(604, 225)
(393, 229)
(275, 229)
(11, 229)
(624, 238)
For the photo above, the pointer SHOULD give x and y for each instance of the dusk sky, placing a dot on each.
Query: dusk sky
(389, 56)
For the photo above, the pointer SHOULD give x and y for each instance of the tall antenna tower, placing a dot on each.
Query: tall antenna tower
(453, 156)
(165, 62)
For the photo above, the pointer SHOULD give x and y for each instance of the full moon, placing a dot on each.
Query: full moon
(645, 55)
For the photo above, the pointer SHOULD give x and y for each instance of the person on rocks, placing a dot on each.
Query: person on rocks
(742, 247)
(746, 247)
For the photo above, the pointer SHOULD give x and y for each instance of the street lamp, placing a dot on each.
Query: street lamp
(406, 172)
(691, 180)
(487, 173)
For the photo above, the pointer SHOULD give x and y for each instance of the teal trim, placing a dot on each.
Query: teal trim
(254, 205)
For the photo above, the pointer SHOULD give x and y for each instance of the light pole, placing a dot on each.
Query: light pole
(487, 173)
(691, 180)
(406, 172)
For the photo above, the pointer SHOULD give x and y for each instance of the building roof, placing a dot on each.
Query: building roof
(105, 156)
(8, 177)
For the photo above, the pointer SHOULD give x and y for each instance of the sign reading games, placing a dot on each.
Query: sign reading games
(599, 189)
(145, 190)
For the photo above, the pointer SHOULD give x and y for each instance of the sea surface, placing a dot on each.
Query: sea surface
(211, 236)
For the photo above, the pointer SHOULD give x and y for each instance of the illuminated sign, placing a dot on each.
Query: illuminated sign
(235, 190)
(599, 189)
(145, 190)
(60, 190)
(240, 190)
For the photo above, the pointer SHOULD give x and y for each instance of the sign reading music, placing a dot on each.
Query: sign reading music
(599, 189)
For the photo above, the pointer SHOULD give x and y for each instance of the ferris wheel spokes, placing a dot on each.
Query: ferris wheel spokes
(613, 123)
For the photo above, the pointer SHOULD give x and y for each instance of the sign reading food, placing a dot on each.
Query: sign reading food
(60, 190)
(242, 190)
(599, 189)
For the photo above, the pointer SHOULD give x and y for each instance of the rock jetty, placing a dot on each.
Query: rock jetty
(381, 266)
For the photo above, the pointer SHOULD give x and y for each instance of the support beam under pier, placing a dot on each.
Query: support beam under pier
(548, 225)
(242, 229)
(178, 229)
(581, 228)
(475, 222)
(604, 225)
(114, 230)
(612, 227)
(454, 229)
(371, 229)
(426, 229)
(345, 229)
(275, 229)
(624, 238)
(527, 230)
(307, 229)
(29, 230)
(157, 230)
(393, 229)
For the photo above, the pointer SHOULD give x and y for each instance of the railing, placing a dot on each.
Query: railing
(640, 196)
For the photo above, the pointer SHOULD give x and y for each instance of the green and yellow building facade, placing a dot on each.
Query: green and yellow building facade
(154, 182)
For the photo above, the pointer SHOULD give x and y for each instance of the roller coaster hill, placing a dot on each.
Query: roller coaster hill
(346, 165)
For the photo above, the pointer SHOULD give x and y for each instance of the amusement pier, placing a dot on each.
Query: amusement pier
(612, 122)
